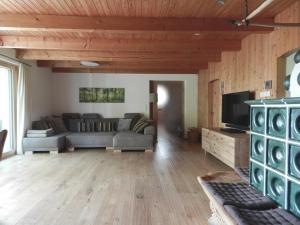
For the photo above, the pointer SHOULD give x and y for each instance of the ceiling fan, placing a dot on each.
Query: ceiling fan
(248, 17)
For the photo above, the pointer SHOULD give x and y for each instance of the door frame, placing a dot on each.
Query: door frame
(211, 103)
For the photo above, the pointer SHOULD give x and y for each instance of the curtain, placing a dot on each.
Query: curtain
(22, 112)
(20, 99)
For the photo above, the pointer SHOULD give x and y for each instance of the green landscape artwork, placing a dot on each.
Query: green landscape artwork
(102, 95)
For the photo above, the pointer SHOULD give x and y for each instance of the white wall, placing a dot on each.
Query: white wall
(40, 87)
(40, 92)
(65, 90)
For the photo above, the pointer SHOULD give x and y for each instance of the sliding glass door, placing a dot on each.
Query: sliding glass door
(6, 105)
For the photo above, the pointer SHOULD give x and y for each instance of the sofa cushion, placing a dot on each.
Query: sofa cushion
(91, 116)
(69, 116)
(74, 125)
(40, 125)
(57, 124)
(135, 117)
(124, 124)
(140, 125)
(132, 140)
(88, 139)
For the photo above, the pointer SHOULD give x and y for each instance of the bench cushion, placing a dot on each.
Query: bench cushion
(238, 194)
(243, 172)
(266, 217)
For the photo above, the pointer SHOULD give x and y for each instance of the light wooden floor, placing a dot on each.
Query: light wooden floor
(97, 187)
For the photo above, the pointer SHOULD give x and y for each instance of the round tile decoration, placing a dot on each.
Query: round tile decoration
(277, 186)
(295, 124)
(258, 175)
(259, 147)
(277, 155)
(296, 162)
(277, 122)
(294, 198)
(259, 119)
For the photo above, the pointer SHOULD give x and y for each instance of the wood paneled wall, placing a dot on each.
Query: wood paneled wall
(255, 63)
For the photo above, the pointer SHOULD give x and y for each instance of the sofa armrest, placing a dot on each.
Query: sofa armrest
(149, 130)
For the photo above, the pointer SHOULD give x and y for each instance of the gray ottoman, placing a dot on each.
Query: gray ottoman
(90, 140)
(51, 144)
(130, 140)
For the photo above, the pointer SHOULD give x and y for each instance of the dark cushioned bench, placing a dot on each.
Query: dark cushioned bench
(243, 172)
(261, 217)
(238, 194)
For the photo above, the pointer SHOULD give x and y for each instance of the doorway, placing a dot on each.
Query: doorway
(214, 104)
(170, 107)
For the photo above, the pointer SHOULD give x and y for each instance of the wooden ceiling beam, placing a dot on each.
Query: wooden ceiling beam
(211, 56)
(51, 43)
(127, 70)
(176, 64)
(17, 22)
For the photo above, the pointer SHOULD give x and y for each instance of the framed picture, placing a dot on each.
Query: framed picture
(101, 95)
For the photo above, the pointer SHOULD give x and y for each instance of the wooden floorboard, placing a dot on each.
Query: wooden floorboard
(98, 187)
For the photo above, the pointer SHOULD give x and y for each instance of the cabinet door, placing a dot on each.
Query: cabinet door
(206, 140)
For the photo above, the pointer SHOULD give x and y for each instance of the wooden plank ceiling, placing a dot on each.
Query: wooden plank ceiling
(131, 36)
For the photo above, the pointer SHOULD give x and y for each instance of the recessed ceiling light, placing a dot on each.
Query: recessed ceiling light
(197, 34)
(89, 63)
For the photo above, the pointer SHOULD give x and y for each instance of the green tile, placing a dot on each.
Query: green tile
(294, 198)
(294, 165)
(257, 177)
(293, 100)
(276, 187)
(295, 124)
(276, 155)
(257, 147)
(254, 102)
(277, 122)
(273, 101)
(258, 119)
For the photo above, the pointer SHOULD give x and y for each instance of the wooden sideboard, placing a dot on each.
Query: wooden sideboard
(232, 149)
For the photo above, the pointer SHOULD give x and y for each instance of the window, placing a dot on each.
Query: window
(6, 105)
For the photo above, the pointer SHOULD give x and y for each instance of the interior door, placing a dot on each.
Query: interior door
(153, 110)
(214, 105)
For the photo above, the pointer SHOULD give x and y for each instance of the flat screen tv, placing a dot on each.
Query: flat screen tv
(235, 112)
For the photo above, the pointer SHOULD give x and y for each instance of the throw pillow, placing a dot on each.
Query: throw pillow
(57, 124)
(140, 125)
(124, 124)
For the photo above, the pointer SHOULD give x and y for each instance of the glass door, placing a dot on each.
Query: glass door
(6, 106)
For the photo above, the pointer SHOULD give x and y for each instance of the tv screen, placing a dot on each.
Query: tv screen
(235, 112)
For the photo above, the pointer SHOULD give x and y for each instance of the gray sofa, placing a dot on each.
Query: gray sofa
(89, 131)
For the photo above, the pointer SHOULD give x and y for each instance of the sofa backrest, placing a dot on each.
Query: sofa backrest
(94, 125)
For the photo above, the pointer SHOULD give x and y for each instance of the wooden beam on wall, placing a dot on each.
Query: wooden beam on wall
(54, 43)
(9, 22)
(211, 55)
